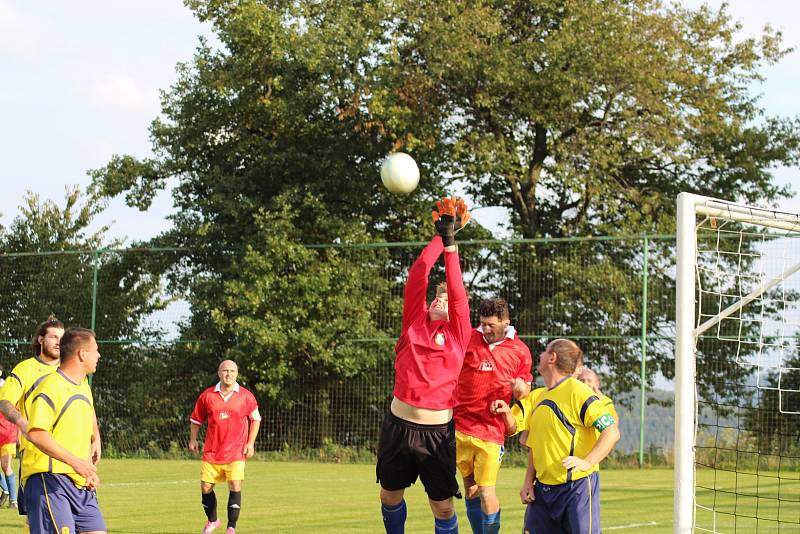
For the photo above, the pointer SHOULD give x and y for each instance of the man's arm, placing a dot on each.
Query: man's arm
(416, 289)
(526, 494)
(249, 448)
(458, 302)
(609, 437)
(96, 451)
(501, 408)
(194, 428)
(11, 413)
(45, 442)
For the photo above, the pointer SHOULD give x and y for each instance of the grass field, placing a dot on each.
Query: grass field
(163, 496)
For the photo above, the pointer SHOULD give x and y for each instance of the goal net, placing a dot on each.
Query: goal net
(737, 388)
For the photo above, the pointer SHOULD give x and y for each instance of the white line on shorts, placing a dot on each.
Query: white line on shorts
(632, 525)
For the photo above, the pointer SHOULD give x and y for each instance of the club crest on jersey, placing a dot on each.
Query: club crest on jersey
(223, 415)
(439, 339)
(486, 365)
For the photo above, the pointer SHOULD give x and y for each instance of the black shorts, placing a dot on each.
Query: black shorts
(409, 450)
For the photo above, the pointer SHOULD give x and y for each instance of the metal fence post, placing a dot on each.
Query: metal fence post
(95, 268)
(643, 380)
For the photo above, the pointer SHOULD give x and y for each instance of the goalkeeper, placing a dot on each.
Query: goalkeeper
(417, 439)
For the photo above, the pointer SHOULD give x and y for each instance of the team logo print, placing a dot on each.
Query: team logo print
(439, 339)
(223, 416)
(486, 365)
(64, 530)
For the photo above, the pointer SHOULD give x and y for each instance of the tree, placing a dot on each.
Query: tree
(52, 261)
(580, 117)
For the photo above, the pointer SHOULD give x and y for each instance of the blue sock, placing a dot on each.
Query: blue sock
(491, 523)
(474, 515)
(394, 517)
(446, 526)
(12, 486)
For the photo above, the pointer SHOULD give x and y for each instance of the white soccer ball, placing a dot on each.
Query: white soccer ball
(399, 173)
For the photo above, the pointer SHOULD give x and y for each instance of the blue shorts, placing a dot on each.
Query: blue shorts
(571, 508)
(54, 504)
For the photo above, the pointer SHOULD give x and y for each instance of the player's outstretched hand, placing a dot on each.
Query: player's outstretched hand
(462, 214)
(450, 216)
(574, 462)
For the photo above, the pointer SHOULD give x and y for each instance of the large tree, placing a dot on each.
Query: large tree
(579, 117)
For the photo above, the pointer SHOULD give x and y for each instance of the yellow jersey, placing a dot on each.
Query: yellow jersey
(561, 424)
(25, 376)
(65, 410)
(522, 409)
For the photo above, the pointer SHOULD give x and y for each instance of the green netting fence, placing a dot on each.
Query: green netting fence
(615, 296)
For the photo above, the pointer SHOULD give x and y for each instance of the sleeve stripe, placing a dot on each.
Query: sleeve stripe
(586, 407)
(46, 399)
(195, 422)
(36, 383)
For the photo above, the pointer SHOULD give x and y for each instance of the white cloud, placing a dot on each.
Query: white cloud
(21, 35)
(119, 92)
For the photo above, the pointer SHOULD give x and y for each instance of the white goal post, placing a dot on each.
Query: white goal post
(693, 213)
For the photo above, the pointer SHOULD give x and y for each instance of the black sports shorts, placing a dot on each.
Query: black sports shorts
(409, 450)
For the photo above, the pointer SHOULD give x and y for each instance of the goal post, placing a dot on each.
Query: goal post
(737, 294)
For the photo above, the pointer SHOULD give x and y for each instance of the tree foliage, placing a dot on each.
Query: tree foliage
(578, 117)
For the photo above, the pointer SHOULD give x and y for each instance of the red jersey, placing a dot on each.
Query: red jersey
(485, 377)
(430, 353)
(228, 422)
(8, 431)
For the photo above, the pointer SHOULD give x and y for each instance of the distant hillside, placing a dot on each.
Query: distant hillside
(659, 421)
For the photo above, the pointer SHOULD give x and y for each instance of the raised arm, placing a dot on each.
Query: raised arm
(416, 290)
(457, 301)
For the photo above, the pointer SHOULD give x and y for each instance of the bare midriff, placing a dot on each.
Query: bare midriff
(422, 416)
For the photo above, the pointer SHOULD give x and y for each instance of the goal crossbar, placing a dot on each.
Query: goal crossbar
(738, 212)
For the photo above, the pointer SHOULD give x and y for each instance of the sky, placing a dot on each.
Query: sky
(82, 82)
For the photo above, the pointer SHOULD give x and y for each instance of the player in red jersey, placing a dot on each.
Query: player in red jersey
(497, 365)
(233, 423)
(8, 450)
(417, 437)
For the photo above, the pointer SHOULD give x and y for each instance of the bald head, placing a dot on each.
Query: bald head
(228, 372)
(590, 378)
(569, 355)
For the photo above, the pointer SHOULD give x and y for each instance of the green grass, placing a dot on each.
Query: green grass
(140, 496)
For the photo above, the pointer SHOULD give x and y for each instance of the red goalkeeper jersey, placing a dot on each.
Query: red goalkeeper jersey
(485, 377)
(430, 353)
(228, 422)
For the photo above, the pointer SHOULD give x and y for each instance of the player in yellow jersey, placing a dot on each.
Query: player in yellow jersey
(27, 374)
(561, 482)
(58, 473)
(591, 379)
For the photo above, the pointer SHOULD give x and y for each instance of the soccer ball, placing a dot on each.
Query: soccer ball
(399, 173)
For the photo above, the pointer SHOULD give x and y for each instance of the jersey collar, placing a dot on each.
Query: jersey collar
(509, 334)
(218, 387)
